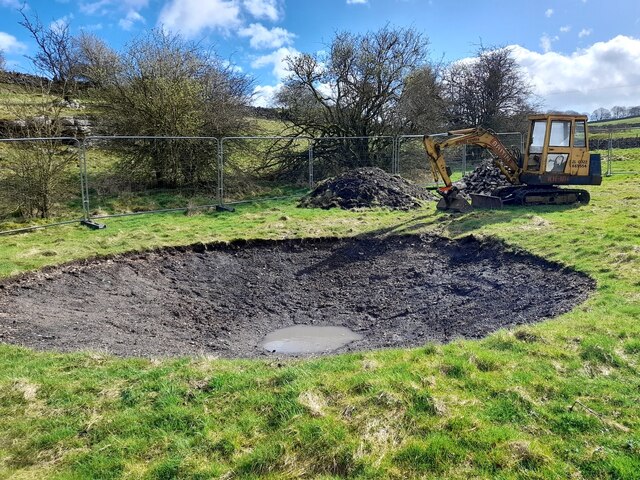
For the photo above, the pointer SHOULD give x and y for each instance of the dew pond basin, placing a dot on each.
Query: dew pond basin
(223, 299)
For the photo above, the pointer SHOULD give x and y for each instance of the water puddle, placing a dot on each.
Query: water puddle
(308, 339)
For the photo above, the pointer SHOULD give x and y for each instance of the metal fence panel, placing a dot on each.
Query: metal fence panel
(619, 147)
(263, 167)
(461, 159)
(40, 182)
(335, 155)
(129, 175)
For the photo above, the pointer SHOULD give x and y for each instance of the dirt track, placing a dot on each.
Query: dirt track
(222, 300)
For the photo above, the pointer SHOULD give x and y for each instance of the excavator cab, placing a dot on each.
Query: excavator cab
(557, 151)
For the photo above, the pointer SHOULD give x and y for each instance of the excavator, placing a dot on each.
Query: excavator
(557, 153)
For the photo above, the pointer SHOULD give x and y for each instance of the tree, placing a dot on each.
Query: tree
(600, 114)
(634, 111)
(57, 56)
(354, 90)
(3, 61)
(619, 112)
(422, 106)
(38, 175)
(162, 85)
(488, 90)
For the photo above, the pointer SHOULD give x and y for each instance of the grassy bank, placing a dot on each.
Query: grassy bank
(555, 400)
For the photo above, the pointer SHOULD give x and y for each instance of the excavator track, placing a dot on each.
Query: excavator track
(529, 195)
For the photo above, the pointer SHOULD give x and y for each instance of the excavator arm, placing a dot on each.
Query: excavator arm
(504, 159)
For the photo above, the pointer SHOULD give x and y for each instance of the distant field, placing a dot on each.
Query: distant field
(619, 121)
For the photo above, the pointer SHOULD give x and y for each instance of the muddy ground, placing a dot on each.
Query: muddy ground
(223, 299)
(367, 187)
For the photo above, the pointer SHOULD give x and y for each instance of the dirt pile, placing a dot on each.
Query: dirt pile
(366, 188)
(223, 300)
(484, 179)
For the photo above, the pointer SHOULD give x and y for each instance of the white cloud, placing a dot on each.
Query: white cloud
(104, 7)
(262, 37)
(92, 27)
(604, 74)
(230, 66)
(264, 95)
(10, 44)
(357, 2)
(565, 29)
(61, 23)
(548, 12)
(546, 41)
(278, 60)
(585, 32)
(130, 20)
(11, 3)
(267, 9)
(192, 17)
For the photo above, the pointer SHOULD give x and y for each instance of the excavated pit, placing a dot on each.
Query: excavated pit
(223, 300)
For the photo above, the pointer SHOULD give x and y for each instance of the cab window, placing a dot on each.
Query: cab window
(537, 136)
(560, 133)
(579, 135)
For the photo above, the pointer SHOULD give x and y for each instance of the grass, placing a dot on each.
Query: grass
(554, 400)
(559, 399)
(620, 121)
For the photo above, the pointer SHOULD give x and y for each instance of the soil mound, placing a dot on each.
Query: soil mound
(484, 179)
(223, 300)
(366, 188)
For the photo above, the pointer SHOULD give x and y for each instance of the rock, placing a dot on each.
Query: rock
(484, 179)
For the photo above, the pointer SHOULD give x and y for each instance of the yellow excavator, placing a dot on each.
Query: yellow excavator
(557, 153)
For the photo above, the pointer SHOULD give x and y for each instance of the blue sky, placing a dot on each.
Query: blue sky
(578, 54)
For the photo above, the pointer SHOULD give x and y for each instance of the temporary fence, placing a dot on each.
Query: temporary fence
(105, 176)
(411, 162)
(619, 147)
(132, 175)
(35, 175)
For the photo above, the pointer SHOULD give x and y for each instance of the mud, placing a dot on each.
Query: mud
(223, 300)
(366, 188)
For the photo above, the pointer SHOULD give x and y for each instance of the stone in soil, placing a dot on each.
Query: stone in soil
(366, 188)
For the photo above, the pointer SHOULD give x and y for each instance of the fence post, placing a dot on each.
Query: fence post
(311, 179)
(609, 154)
(220, 171)
(84, 177)
(464, 160)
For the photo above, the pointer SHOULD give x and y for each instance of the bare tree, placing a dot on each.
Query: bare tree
(422, 106)
(354, 90)
(488, 90)
(619, 112)
(600, 114)
(37, 176)
(634, 111)
(57, 55)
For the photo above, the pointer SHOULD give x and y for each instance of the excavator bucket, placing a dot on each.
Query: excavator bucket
(485, 201)
(451, 201)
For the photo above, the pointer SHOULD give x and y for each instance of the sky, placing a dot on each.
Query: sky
(578, 54)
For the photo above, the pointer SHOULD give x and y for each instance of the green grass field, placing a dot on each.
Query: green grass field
(620, 121)
(560, 399)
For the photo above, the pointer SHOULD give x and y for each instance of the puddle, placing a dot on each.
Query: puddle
(308, 339)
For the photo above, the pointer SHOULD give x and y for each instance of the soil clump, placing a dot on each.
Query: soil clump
(222, 300)
(366, 188)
